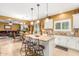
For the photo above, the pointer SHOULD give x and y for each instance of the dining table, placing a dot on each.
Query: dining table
(48, 41)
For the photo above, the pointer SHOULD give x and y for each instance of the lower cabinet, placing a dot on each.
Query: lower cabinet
(61, 41)
(77, 44)
(69, 42)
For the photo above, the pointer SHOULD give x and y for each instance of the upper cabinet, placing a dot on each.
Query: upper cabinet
(76, 20)
(48, 24)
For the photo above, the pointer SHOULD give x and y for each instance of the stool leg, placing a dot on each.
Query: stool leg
(42, 53)
(21, 49)
(25, 50)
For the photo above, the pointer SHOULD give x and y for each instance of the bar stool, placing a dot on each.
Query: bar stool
(28, 46)
(24, 45)
(39, 49)
(32, 47)
(36, 48)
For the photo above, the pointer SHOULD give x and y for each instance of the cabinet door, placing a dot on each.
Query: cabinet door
(58, 41)
(77, 44)
(71, 43)
(48, 24)
(61, 41)
(76, 20)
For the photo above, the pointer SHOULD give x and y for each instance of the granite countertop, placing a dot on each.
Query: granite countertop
(68, 36)
(41, 37)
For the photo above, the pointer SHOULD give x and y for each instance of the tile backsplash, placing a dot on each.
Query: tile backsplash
(74, 33)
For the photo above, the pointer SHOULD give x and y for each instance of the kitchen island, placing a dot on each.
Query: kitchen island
(47, 41)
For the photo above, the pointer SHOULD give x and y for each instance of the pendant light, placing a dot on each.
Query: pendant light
(38, 21)
(38, 12)
(32, 15)
(10, 22)
(47, 19)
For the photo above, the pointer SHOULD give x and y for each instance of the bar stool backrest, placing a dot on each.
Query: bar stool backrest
(23, 39)
(36, 41)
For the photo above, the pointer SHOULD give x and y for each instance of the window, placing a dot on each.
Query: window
(62, 25)
(65, 25)
(58, 25)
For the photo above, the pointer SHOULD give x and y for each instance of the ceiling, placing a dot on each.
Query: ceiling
(13, 21)
(23, 10)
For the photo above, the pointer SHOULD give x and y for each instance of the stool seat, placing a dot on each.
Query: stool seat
(39, 47)
(42, 46)
(32, 47)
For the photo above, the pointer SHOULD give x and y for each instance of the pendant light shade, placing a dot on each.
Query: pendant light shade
(10, 22)
(47, 19)
(38, 21)
(31, 23)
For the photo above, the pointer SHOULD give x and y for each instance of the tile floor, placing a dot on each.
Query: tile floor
(9, 48)
(70, 52)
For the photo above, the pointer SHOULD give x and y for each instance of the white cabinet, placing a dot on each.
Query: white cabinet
(73, 43)
(48, 24)
(61, 41)
(76, 20)
(69, 42)
(64, 41)
(77, 44)
(56, 41)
